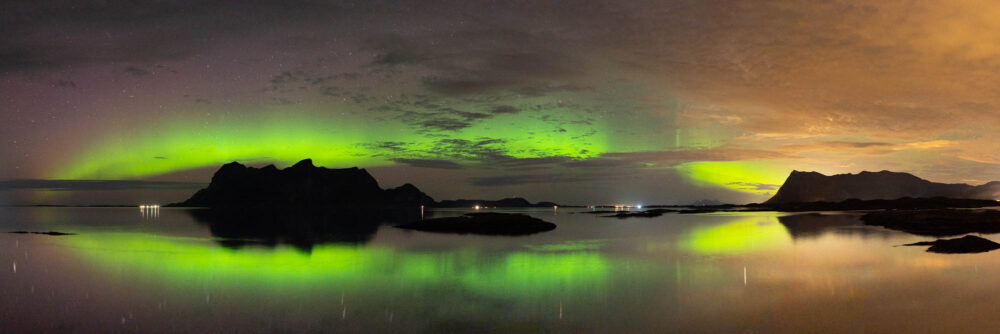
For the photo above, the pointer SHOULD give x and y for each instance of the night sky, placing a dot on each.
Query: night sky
(578, 102)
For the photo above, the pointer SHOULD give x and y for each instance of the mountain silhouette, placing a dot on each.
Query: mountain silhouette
(301, 186)
(801, 187)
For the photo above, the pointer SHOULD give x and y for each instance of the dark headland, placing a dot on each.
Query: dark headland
(305, 186)
(899, 201)
(304, 204)
(301, 186)
(885, 190)
(806, 187)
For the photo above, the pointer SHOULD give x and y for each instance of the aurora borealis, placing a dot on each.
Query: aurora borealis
(662, 102)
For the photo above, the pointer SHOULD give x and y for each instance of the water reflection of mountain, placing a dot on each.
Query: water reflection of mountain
(814, 225)
(302, 229)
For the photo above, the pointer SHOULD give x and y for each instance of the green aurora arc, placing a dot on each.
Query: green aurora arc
(332, 142)
(352, 140)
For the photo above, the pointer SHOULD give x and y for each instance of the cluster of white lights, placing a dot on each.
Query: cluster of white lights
(152, 206)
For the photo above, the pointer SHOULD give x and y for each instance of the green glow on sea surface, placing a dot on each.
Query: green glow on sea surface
(744, 235)
(176, 260)
(331, 141)
(757, 177)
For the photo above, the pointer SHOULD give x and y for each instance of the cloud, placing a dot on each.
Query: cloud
(394, 146)
(428, 163)
(830, 85)
(686, 155)
(871, 148)
(483, 61)
(513, 180)
(444, 124)
(462, 85)
(435, 117)
(504, 110)
(754, 186)
(80, 185)
(392, 50)
(469, 116)
(17, 59)
(846, 144)
(842, 146)
(545, 89)
(136, 72)
(482, 150)
(98, 32)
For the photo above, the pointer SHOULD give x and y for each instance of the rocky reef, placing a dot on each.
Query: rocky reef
(963, 245)
(939, 222)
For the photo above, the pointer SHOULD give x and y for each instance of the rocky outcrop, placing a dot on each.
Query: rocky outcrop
(905, 203)
(963, 245)
(301, 186)
(641, 214)
(802, 187)
(939, 222)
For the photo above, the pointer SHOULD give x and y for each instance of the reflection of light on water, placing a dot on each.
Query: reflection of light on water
(740, 236)
(617, 207)
(180, 260)
(149, 211)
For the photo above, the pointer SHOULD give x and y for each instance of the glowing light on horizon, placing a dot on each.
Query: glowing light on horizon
(756, 177)
(149, 210)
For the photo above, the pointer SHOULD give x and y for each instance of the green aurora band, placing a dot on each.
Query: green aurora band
(751, 176)
(177, 260)
(352, 140)
(344, 141)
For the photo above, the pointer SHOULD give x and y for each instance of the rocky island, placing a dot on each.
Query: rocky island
(304, 204)
(938, 222)
(966, 244)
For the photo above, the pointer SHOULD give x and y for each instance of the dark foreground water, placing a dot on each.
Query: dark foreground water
(127, 271)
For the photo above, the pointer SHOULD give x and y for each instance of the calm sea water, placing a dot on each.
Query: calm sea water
(127, 271)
